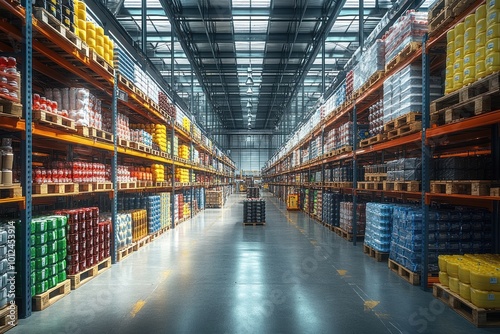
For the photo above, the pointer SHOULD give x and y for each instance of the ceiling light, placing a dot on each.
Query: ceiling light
(249, 104)
(249, 91)
(249, 81)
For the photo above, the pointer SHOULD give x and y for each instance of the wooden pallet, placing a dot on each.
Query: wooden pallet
(95, 134)
(11, 108)
(213, 206)
(124, 143)
(50, 119)
(144, 184)
(254, 224)
(371, 185)
(163, 184)
(96, 58)
(155, 235)
(347, 235)
(143, 148)
(338, 184)
(413, 186)
(376, 177)
(372, 140)
(126, 82)
(475, 106)
(12, 191)
(404, 273)
(402, 55)
(460, 6)
(55, 188)
(439, 16)
(45, 18)
(142, 242)
(478, 316)
(403, 120)
(127, 185)
(474, 188)
(85, 276)
(8, 317)
(489, 84)
(343, 149)
(379, 256)
(49, 297)
(85, 187)
(125, 252)
(405, 130)
(102, 186)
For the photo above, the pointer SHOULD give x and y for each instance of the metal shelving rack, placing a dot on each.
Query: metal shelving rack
(420, 139)
(101, 80)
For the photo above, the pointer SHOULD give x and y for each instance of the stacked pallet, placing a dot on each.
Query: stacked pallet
(254, 212)
(214, 198)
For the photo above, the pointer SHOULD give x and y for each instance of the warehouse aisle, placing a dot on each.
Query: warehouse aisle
(212, 275)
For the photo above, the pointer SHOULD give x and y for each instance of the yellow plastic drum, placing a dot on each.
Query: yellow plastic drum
(453, 284)
(450, 47)
(91, 30)
(91, 42)
(480, 41)
(82, 34)
(99, 31)
(470, 21)
(481, 26)
(480, 69)
(450, 60)
(82, 13)
(82, 25)
(442, 261)
(450, 35)
(458, 67)
(469, 60)
(464, 290)
(480, 13)
(492, 63)
(470, 47)
(99, 41)
(459, 29)
(492, 17)
(493, 31)
(493, 46)
(480, 54)
(459, 54)
(492, 4)
(100, 50)
(443, 278)
(459, 41)
(470, 34)
(485, 299)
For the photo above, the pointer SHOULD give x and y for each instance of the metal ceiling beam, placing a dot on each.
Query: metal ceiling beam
(278, 13)
(246, 54)
(317, 43)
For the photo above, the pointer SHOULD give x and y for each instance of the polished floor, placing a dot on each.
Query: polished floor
(212, 275)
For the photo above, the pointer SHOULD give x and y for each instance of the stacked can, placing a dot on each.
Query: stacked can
(83, 239)
(104, 236)
(165, 217)
(6, 272)
(47, 253)
(139, 224)
(124, 230)
(154, 213)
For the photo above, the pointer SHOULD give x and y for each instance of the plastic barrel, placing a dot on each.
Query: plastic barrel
(91, 31)
(470, 21)
(492, 16)
(493, 46)
(480, 13)
(492, 63)
(459, 41)
(493, 31)
(469, 74)
(459, 29)
(480, 41)
(450, 35)
(91, 42)
(480, 69)
(470, 47)
(464, 290)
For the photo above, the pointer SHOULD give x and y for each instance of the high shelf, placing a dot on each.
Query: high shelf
(48, 144)
(426, 136)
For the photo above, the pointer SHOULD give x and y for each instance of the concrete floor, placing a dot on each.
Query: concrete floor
(212, 275)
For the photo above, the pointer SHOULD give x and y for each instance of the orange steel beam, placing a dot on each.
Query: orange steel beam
(489, 118)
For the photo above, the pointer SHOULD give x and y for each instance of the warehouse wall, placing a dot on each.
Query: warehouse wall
(250, 152)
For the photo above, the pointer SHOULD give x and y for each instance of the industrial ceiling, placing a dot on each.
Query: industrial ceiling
(249, 59)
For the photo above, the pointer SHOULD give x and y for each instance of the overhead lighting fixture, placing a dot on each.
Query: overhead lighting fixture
(249, 104)
(249, 81)
(249, 91)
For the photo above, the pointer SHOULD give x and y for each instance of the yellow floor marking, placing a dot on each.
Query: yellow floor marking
(137, 307)
(371, 304)
(342, 272)
(313, 242)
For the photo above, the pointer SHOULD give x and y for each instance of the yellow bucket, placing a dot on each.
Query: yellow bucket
(469, 75)
(480, 13)
(82, 13)
(450, 60)
(481, 26)
(100, 50)
(469, 60)
(450, 47)
(459, 41)
(99, 31)
(492, 62)
(492, 5)
(91, 42)
(493, 45)
(480, 69)
(470, 34)
(458, 82)
(493, 31)
(450, 35)
(459, 53)
(82, 34)
(470, 47)
(492, 17)
(453, 283)
(470, 21)
(449, 71)
(99, 41)
(459, 29)
(480, 40)
(82, 25)
(464, 290)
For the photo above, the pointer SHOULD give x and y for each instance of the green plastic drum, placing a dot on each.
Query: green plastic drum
(52, 259)
(61, 277)
(38, 239)
(62, 254)
(61, 233)
(62, 221)
(61, 244)
(51, 223)
(41, 287)
(41, 250)
(51, 270)
(61, 266)
(52, 281)
(52, 247)
(41, 262)
(51, 236)
(41, 275)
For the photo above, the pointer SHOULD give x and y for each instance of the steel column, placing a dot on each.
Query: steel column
(114, 171)
(361, 25)
(144, 27)
(23, 296)
(426, 160)
(495, 153)
(354, 175)
(172, 82)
